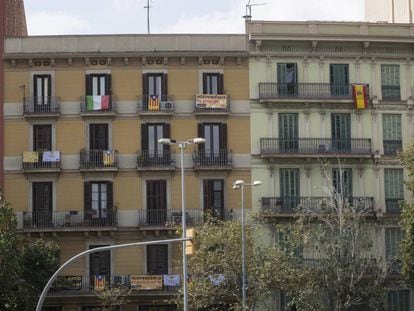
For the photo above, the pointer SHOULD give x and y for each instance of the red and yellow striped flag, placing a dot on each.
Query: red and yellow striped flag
(360, 96)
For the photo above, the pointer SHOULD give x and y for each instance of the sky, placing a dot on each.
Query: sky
(55, 17)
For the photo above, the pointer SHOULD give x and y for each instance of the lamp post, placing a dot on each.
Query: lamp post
(239, 184)
(182, 145)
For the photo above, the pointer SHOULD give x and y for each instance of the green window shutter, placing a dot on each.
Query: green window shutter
(393, 237)
(288, 125)
(281, 73)
(393, 183)
(289, 183)
(390, 75)
(391, 125)
(339, 73)
(342, 181)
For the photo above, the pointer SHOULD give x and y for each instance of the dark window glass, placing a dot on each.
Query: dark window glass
(157, 259)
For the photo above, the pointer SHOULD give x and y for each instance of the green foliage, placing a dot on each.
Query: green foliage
(24, 267)
(112, 297)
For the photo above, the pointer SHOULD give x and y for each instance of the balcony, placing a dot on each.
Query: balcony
(392, 147)
(150, 160)
(315, 147)
(41, 106)
(309, 91)
(99, 160)
(68, 221)
(208, 104)
(41, 162)
(392, 206)
(292, 205)
(98, 106)
(160, 105)
(207, 160)
(391, 92)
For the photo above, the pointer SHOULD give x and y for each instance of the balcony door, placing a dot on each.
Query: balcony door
(339, 79)
(99, 267)
(288, 132)
(42, 90)
(287, 79)
(213, 197)
(42, 203)
(215, 146)
(98, 202)
(98, 84)
(157, 259)
(341, 132)
(156, 202)
(342, 182)
(213, 83)
(152, 151)
(98, 137)
(289, 188)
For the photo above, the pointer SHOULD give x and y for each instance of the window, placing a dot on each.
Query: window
(213, 83)
(42, 90)
(287, 79)
(342, 181)
(42, 203)
(394, 189)
(288, 132)
(158, 308)
(289, 188)
(156, 202)
(399, 300)
(150, 134)
(98, 84)
(393, 237)
(51, 308)
(157, 259)
(98, 136)
(99, 266)
(215, 135)
(390, 82)
(341, 132)
(42, 137)
(392, 136)
(339, 78)
(213, 194)
(99, 202)
(284, 302)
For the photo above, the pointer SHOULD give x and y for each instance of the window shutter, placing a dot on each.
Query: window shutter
(144, 137)
(49, 85)
(35, 86)
(205, 91)
(223, 136)
(331, 74)
(200, 133)
(145, 84)
(220, 89)
(167, 134)
(87, 196)
(108, 84)
(164, 90)
(88, 85)
(109, 195)
(206, 195)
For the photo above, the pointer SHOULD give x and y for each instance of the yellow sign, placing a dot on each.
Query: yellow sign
(30, 157)
(211, 101)
(146, 282)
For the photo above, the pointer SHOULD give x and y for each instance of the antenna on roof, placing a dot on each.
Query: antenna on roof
(148, 15)
(248, 16)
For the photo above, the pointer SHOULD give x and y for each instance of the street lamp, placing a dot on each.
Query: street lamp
(239, 184)
(182, 145)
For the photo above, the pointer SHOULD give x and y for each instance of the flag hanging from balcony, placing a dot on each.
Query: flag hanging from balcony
(30, 157)
(99, 283)
(153, 103)
(108, 157)
(360, 96)
(97, 102)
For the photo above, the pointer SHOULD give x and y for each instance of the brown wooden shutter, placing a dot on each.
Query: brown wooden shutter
(206, 195)
(205, 83)
(49, 85)
(220, 88)
(157, 259)
(108, 84)
(164, 88)
(34, 86)
(144, 136)
(145, 85)
(87, 196)
(88, 85)
(109, 195)
(200, 133)
(223, 136)
(167, 134)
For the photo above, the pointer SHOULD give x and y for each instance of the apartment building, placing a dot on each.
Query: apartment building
(306, 128)
(83, 166)
(389, 11)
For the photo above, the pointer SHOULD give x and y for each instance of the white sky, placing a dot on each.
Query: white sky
(48, 17)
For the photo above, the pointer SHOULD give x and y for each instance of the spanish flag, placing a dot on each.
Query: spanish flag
(360, 96)
(153, 103)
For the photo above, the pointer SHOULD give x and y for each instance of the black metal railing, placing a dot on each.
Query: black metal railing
(41, 104)
(270, 90)
(321, 146)
(212, 103)
(69, 219)
(392, 205)
(288, 205)
(165, 217)
(391, 92)
(205, 158)
(150, 158)
(392, 147)
(46, 160)
(163, 103)
(91, 108)
(96, 159)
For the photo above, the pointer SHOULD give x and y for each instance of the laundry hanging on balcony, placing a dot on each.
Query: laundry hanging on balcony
(51, 156)
(171, 279)
(360, 96)
(30, 157)
(108, 157)
(97, 102)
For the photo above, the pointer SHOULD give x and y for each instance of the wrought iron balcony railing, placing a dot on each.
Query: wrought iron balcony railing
(290, 205)
(392, 205)
(41, 105)
(98, 159)
(158, 104)
(205, 158)
(392, 147)
(315, 146)
(271, 90)
(155, 159)
(212, 103)
(41, 160)
(391, 92)
(98, 104)
(58, 220)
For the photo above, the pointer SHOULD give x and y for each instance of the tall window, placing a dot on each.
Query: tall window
(341, 131)
(287, 79)
(155, 84)
(42, 90)
(399, 300)
(98, 84)
(98, 136)
(213, 193)
(215, 135)
(342, 181)
(98, 200)
(392, 136)
(42, 203)
(99, 267)
(393, 237)
(42, 137)
(150, 134)
(157, 259)
(339, 78)
(288, 132)
(289, 187)
(213, 83)
(390, 82)
(394, 189)
(156, 202)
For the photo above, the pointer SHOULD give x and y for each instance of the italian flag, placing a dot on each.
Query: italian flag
(97, 102)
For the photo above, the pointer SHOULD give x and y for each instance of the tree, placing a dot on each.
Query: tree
(113, 297)
(25, 267)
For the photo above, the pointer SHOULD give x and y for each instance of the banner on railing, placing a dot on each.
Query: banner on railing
(97, 102)
(171, 279)
(360, 96)
(51, 156)
(211, 101)
(108, 157)
(146, 282)
(153, 103)
(100, 282)
(30, 157)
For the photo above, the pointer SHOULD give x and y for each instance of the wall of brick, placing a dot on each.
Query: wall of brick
(15, 18)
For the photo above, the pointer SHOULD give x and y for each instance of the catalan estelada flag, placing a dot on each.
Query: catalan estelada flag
(108, 157)
(99, 282)
(360, 96)
(153, 103)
